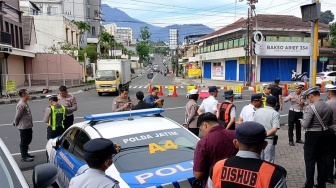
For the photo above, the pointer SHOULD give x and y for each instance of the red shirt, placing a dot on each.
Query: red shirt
(216, 145)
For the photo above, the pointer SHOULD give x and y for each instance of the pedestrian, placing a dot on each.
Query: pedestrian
(246, 169)
(191, 115)
(54, 116)
(226, 111)
(276, 91)
(24, 122)
(98, 155)
(270, 119)
(153, 98)
(297, 103)
(69, 102)
(122, 102)
(266, 92)
(209, 104)
(216, 144)
(317, 116)
(248, 111)
(331, 161)
(141, 103)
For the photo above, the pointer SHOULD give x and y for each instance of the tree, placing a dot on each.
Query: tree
(91, 52)
(142, 47)
(145, 34)
(83, 27)
(106, 40)
(160, 47)
(332, 34)
(327, 17)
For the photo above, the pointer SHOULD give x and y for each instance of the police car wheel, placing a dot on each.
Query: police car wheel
(100, 93)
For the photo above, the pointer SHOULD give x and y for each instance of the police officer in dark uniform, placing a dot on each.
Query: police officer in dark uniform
(276, 91)
(317, 116)
(98, 155)
(54, 116)
(253, 171)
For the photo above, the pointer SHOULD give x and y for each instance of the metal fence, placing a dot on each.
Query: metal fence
(14, 82)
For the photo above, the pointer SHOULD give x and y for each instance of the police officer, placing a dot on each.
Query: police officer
(24, 122)
(246, 169)
(267, 92)
(226, 111)
(276, 91)
(331, 95)
(98, 156)
(122, 102)
(270, 119)
(297, 102)
(70, 103)
(54, 116)
(316, 117)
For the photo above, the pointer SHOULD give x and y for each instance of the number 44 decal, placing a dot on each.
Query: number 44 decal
(153, 147)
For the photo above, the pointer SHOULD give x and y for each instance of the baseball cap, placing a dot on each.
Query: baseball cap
(213, 89)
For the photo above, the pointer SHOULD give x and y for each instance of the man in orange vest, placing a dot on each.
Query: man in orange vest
(226, 111)
(246, 169)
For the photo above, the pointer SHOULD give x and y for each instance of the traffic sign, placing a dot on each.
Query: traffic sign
(323, 59)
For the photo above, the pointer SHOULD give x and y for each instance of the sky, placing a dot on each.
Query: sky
(212, 13)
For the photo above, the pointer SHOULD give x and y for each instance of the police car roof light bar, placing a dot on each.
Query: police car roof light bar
(118, 115)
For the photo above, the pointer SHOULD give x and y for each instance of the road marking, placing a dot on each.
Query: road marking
(34, 151)
(7, 124)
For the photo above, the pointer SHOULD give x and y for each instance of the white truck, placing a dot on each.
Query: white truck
(112, 75)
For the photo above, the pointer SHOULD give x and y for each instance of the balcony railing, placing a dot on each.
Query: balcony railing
(5, 38)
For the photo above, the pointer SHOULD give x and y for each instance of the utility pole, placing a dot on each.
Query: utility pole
(85, 54)
(248, 58)
(313, 62)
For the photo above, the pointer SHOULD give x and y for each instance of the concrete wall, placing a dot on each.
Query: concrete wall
(16, 69)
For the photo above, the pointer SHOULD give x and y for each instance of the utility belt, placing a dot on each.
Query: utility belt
(295, 110)
(274, 138)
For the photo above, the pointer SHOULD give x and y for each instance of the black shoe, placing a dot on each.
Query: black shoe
(31, 156)
(291, 144)
(300, 141)
(27, 159)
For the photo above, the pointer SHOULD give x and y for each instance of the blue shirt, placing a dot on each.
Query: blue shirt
(150, 99)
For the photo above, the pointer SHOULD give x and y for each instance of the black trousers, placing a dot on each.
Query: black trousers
(331, 156)
(194, 130)
(68, 121)
(26, 136)
(54, 133)
(315, 151)
(293, 119)
(277, 108)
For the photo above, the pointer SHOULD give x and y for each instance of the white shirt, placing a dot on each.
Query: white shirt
(209, 104)
(268, 117)
(247, 113)
(93, 178)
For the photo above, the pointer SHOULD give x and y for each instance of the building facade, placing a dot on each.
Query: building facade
(111, 28)
(124, 35)
(285, 47)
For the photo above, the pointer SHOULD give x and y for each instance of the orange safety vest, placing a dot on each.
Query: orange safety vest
(242, 177)
(224, 113)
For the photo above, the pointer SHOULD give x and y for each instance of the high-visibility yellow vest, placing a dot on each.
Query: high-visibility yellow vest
(57, 117)
(263, 98)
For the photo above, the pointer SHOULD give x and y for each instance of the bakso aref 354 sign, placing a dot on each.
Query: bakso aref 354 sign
(284, 49)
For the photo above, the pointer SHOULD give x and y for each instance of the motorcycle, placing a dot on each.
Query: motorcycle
(299, 77)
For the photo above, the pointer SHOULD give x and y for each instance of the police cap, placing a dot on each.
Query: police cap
(213, 89)
(330, 87)
(250, 133)
(53, 97)
(256, 97)
(271, 100)
(299, 84)
(99, 148)
(311, 90)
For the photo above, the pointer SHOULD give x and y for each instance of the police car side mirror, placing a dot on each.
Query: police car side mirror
(55, 143)
(44, 175)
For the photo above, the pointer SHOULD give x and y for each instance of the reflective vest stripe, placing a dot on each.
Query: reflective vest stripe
(54, 117)
(222, 174)
(226, 114)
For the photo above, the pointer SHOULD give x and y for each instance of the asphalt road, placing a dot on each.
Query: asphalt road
(90, 103)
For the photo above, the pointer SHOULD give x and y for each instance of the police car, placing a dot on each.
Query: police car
(155, 151)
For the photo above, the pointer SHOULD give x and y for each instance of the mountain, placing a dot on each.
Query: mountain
(114, 15)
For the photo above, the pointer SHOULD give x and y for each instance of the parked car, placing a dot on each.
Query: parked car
(325, 76)
(156, 68)
(155, 151)
(11, 176)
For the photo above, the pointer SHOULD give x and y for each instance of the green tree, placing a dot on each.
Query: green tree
(91, 52)
(106, 40)
(83, 27)
(160, 47)
(327, 17)
(332, 34)
(142, 47)
(145, 34)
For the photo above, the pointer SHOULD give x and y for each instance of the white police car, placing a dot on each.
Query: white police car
(156, 151)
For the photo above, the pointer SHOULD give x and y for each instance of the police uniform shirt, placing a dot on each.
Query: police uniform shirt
(118, 102)
(332, 103)
(295, 103)
(311, 123)
(209, 104)
(69, 102)
(47, 113)
(268, 117)
(93, 178)
(248, 112)
(249, 154)
(23, 117)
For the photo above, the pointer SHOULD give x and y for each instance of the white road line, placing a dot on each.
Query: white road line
(140, 87)
(35, 151)
(7, 124)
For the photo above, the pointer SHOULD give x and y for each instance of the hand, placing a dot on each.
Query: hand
(185, 125)
(125, 106)
(118, 148)
(14, 124)
(281, 107)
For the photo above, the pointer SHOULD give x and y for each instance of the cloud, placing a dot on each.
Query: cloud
(213, 13)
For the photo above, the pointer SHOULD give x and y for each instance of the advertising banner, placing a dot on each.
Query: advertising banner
(217, 71)
(284, 49)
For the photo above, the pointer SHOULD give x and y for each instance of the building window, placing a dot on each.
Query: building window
(12, 34)
(296, 39)
(17, 37)
(21, 37)
(241, 41)
(72, 37)
(230, 45)
(7, 27)
(66, 35)
(284, 39)
(93, 31)
(88, 13)
(96, 15)
(52, 10)
(217, 64)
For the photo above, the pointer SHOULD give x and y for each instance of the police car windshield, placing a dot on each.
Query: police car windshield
(154, 149)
